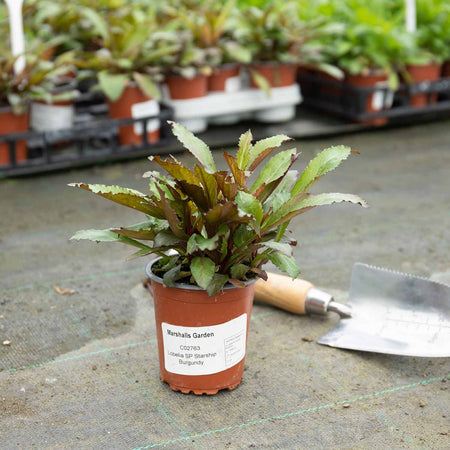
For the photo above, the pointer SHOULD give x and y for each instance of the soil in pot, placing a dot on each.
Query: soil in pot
(225, 79)
(181, 88)
(133, 103)
(277, 75)
(374, 102)
(9, 124)
(201, 339)
(419, 74)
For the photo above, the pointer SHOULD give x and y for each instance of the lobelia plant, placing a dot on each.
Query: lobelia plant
(224, 224)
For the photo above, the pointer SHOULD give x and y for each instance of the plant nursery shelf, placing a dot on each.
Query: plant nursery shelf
(230, 107)
(87, 143)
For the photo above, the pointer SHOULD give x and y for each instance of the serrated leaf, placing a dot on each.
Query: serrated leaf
(203, 269)
(144, 235)
(274, 169)
(217, 283)
(96, 236)
(238, 271)
(263, 148)
(302, 202)
(195, 145)
(176, 169)
(245, 146)
(147, 85)
(123, 196)
(238, 174)
(324, 162)
(165, 238)
(223, 214)
(284, 248)
(198, 242)
(170, 277)
(112, 85)
(248, 204)
(242, 235)
(285, 263)
(209, 183)
(171, 215)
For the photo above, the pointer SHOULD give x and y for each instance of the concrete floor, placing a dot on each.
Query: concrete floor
(81, 369)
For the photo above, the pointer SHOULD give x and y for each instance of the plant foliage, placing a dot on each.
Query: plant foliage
(223, 224)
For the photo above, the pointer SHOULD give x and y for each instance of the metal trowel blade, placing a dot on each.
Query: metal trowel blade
(394, 313)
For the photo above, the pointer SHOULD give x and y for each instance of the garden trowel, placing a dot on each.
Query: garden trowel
(388, 312)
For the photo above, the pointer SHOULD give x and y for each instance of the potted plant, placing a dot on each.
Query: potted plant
(430, 50)
(213, 27)
(222, 227)
(128, 70)
(368, 51)
(272, 33)
(17, 90)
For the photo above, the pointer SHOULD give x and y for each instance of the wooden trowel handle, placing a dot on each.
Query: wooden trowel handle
(283, 292)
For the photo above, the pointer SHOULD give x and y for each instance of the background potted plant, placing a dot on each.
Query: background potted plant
(369, 49)
(224, 225)
(431, 48)
(213, 27)
(128, 69)
(35, 83)
(272, 32)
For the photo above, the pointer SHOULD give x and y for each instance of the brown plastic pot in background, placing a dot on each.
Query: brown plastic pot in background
(330, 91)
(181, 88)
(445, 69)
(420, 73)
(122, 109)
(369, 81)
(305, 85)
(219, 80)
(196, 333)
(277, 75)
(9, 124)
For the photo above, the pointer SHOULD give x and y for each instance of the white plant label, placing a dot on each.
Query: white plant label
(144, 109)
(382, 98)
(51, 117)
(233, 84)
(204, 350)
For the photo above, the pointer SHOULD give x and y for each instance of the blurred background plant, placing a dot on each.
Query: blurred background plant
(122, 41)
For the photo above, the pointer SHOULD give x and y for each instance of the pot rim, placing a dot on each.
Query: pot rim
(8, 109)
(152, 276)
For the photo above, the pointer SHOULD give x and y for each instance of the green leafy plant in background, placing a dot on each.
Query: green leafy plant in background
(36, 82)
(374, 38)
(272, 32)
(132, 50)
(224, 224)
(433, 31)
(213, 26)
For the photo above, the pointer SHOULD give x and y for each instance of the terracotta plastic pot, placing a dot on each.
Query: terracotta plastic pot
(330, 91)
(134, 103)
(225, 79)
(446, 69)
(201, 339)
(372, 102)
(278, 75)
(181, 88)
(9, 124)
(305, 85)
(420, 73)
